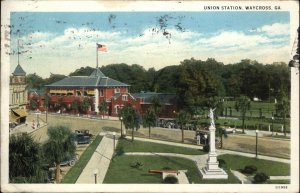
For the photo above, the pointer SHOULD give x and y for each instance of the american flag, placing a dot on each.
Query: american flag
(101, 48)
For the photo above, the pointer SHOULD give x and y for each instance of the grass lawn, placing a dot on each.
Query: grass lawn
(271, 168)
(141, 146)
(75, 171)
(120, 170)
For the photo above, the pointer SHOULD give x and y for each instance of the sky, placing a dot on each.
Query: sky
(61, 42)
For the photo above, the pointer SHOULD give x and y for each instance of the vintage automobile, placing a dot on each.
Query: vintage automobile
(81, 138)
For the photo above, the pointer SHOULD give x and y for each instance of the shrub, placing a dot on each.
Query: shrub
(136, 164)
(206, 148)
(222, 163)
(260, 178)
(249, 169)
(170, 179)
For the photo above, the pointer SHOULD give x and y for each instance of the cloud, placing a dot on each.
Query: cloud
(234, 39)
(275, 29)
(75, 47)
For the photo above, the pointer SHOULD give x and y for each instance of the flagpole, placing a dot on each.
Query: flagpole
(18, 52)
(97, 54)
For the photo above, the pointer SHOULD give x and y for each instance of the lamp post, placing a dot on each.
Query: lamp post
(121, 118)
(114, 134)
(256, 131)
(272, 125)
(95, 175)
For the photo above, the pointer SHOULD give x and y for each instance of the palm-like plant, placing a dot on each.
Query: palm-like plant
(182, 118)
(242, 105)
(149, 119)
(131, 118)
(156, 104)
(221, 132)
(23, 156)
(58, 146)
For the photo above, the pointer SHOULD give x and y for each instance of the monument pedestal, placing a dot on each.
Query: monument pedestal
(212, 170)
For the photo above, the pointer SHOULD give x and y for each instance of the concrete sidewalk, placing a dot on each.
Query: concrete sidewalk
(219, 151)
(99, 162)
(224, 151)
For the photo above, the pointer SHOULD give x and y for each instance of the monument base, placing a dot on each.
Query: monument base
(213, 173)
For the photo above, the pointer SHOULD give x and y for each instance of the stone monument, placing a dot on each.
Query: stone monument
(212, 170)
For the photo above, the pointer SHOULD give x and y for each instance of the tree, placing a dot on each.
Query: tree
(149, 119)
(58, 146)
(53, 78)
(131, 118)
(46, 101)
(283, 109)
(34, 81)
(75, 105)
(85, 104)
(156, 104)
(61, 104)
(221, 132)
(34, 104)
(242, 104)
(102, 107)
(196, 84)
(182, 118)
(24, 160)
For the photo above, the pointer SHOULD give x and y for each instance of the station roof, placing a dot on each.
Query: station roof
(96, 79)
(164, 98)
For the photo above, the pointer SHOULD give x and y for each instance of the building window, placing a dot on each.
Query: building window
(78, 93)
(124, 97)
(117, 90)
(101, 92)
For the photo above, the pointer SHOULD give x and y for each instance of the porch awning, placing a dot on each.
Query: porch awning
(13, 118)
(20, 112)
(90, 92)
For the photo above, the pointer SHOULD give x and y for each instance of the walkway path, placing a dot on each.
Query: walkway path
(99, 162)
(243, 178)
(219, 151)
(101, 158)
(224, 151)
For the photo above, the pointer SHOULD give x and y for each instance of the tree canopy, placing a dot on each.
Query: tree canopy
(194, 81)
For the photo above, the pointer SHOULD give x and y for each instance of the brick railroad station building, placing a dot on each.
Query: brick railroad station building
(97, 88)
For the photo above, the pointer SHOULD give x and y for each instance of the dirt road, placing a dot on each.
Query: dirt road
(244, 143)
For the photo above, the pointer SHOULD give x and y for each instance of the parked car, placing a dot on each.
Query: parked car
(80, 138)
(84, 131)
(68, 161)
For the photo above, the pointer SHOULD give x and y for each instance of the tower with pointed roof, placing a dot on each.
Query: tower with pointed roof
(18, 95)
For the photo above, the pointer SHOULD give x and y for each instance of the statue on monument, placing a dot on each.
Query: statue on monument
(211, 116)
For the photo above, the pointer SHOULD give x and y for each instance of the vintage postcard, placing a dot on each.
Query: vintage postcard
(149, 96)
